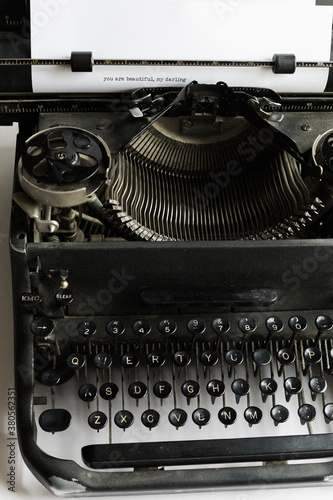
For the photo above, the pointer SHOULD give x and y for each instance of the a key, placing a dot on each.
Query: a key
(55, 420)
(150, 418)
(97, 420)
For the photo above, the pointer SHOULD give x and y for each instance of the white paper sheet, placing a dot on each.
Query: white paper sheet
(179, 30)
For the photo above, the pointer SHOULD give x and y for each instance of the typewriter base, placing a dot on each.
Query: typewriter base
(64, 477)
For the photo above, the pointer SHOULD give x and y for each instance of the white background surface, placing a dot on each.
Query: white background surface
(26, 485)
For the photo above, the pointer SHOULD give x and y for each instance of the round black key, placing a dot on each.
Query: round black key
(297, 323)
(137, 390)
(220, 325)
(64, 297)
(201, 416)
(268, 386)
(55, 420)
(141, 327)
(227, 415)
(247, 325)
(76, 361)
(123, 419)
(86, 328)
(162, 389)
(190, 388)
(253, 415)
(312, 355)
(328, 411)
(324, 323)
(102, 360)
(150, 418)
(88, 392)
(274, 324)
(240, 387)
(178, 417)
(155, 358)
(50, 377)
(97, 420)
(279, 414)
(167, 326)
(115, 327)
(286, 356)
(208, 358)
(196, 325)
(262, 357)
(307, 412)
(293, 385)
(215, 388)
(318, 385)
(181, 358)
(234, 357)
(129, 360)
(42, 326)
(109, 391)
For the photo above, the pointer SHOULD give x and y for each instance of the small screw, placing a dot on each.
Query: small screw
(306, 128)
(62, 156)
(188, 124)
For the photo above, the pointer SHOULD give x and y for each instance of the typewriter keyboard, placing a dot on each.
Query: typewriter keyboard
(159, 391)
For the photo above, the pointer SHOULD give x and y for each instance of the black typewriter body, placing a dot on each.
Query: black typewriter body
(172, 265)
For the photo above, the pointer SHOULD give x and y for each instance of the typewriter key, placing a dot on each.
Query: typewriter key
(215, 388)
(318, 385)
(262, 357)
(292, 385)
(155, 359)
(55, 420)
(297, 323)
(141, 327)
(234, 357)
(253, 415)
(123, 419)
(312, 355)
(247, 325)
(274, 324)
(102, 360)
(240, 387)
(208, 358)
(109, 391)
(201, 416)
(75, 361)
(220, 325)
(178, 417)
(196, 326)
(129, 360)
(137, 390)
(115, 327)
(167, 326)
(42, 326)
(181, 358)
(328, 412)
(87, 392)
(285, 356)
(97, 420)
(86, 328)
(190, 388)
(306, 413)
(50, 377)
(279, 414)
(150, 418)
(162, 389)
(268, 386)
(227, 415)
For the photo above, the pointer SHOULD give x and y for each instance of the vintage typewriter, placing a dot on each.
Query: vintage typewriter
(172, 279)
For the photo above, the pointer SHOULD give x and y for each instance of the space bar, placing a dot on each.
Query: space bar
(109, 456)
